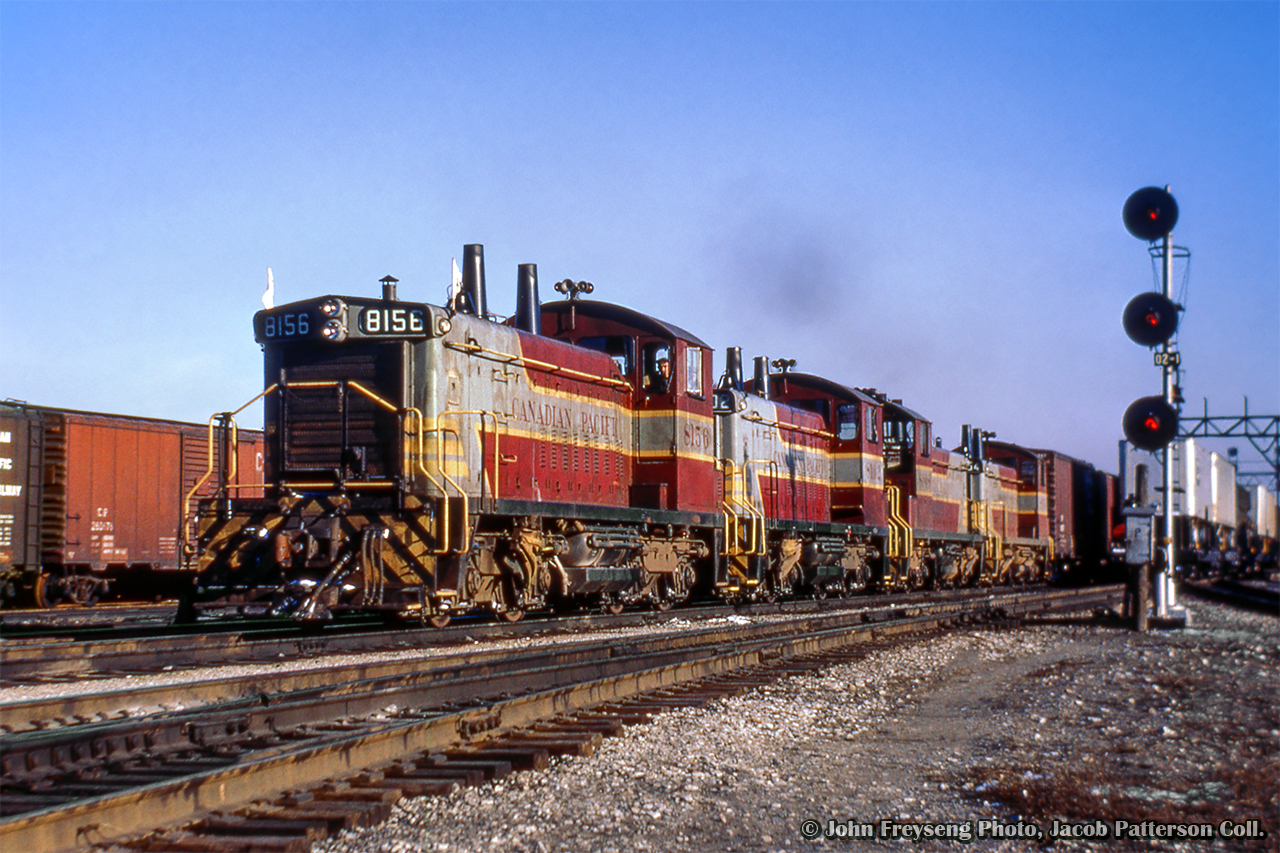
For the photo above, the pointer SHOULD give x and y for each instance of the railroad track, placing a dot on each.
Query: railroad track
(276, 770)
(1261, 595)
(73, 654)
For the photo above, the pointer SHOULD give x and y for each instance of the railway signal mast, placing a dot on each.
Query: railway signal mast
(1150, 319)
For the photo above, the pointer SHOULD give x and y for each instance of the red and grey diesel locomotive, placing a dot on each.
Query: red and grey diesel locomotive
(435, 461)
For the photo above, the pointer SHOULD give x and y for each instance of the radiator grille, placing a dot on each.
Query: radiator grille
(334, 427)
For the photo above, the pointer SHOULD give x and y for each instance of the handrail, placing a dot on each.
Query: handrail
(754, 538)
(980, 519)
(444, 546)
(476, 349)
(755, 418)
(900, 534)
(234, 452)
(187, 548)
(234, 449)
(497, 418)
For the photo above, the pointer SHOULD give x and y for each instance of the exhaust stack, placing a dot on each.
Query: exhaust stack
(762, 376)
(473, 288)
(733, 367)
(389, 289)
(528, 306)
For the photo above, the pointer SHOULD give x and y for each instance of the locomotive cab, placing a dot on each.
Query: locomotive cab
(854, 419)
(669, 373)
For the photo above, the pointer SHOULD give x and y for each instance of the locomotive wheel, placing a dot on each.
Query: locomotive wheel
(439, 620)
(513, 614)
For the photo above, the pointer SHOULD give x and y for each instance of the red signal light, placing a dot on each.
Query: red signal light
(1150, 213)
(1150, 423)
(1150, 319)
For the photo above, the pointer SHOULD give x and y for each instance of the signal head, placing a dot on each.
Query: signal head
(1150, 319)
(1150, 213)
(1150, 423)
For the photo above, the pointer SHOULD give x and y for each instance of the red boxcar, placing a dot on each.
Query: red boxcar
(92, 505)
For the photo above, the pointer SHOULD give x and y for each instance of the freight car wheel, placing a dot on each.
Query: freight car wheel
(46, 591)
(85, 591)
(439, 620)
(513, 614)
(186, 612)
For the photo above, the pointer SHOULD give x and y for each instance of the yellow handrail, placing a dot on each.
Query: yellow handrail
(443, 526)
(476, 349)
(187, 548)
(900, 534)
(755, 539)
(234, 461)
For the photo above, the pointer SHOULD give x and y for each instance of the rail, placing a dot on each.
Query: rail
(289, 747)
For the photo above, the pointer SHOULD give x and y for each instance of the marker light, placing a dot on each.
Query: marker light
(334, 331)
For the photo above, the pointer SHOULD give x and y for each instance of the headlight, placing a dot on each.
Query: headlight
(444, 325)
(334, 331)
(331, 307)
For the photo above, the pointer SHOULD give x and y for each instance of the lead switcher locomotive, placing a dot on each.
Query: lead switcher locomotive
(435, 461)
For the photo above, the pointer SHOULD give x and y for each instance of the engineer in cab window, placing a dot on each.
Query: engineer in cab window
(659, 381)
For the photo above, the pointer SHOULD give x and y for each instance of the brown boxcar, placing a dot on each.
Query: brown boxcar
(1064, 499)
(91, 504)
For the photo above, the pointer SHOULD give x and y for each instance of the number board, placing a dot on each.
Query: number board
(296, 324)
(380, 320)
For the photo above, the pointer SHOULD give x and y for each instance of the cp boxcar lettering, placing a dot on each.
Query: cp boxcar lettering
(6, 464)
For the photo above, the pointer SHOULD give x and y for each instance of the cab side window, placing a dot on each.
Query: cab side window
(618, 347)
(655, 360)
(847, 427)
(693, 371)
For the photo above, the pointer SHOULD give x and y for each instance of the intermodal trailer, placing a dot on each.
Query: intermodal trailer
(92, 505)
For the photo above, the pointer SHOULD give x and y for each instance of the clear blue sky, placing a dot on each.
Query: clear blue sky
(923, 198)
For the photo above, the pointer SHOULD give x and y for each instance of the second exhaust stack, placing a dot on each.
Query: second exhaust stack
(473, 286)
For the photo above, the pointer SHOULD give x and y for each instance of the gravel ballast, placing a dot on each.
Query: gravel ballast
(966, 733)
